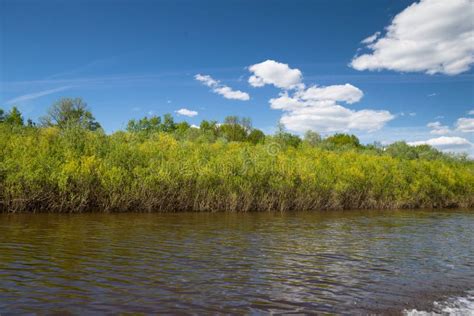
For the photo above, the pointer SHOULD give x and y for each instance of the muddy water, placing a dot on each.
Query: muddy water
(351, 262)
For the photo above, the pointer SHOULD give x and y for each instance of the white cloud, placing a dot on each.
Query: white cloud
(438, 129)
(371, 38)
(332, 117)
(186, 112)
(221, 89)
(432, 94)
(228, 93)
(465, 125)
(316, 107)
(344, 93)
(432, 36)
(446, 143)
(317, 111)
(471, 112)
(35, 95)
(207, 80)
(275, 73)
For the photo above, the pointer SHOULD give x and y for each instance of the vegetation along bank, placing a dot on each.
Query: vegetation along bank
(67, 163)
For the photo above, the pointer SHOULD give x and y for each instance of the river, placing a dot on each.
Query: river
(343, 262)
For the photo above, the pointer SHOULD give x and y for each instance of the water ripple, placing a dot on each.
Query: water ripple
(329, 262)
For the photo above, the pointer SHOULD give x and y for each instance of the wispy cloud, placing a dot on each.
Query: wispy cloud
(223, 90)
(35, 95)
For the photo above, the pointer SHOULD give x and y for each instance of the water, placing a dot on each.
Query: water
(461, 305)
(352, 262)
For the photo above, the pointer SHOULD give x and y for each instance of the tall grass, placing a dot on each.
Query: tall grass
(74, 170)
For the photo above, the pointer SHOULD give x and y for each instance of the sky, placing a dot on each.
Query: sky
(384, 70)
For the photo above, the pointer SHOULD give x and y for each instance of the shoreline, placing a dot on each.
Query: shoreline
(290, 211)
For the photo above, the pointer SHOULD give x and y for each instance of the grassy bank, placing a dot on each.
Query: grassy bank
(76, 169)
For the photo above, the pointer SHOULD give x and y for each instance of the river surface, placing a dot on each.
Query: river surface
(346, 262)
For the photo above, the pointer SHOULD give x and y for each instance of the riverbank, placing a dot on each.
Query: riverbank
(53, 170)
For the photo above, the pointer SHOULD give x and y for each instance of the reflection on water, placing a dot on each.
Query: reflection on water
(343, 262)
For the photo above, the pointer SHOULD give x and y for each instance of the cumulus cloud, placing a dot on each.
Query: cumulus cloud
(465, 125)
(344, 93)
(438, 129)
(315, 107)
(446, 143)
(223, 90)
(332, 117)
(186, 112)
(432, 36)
(278, 74)
(325, 115)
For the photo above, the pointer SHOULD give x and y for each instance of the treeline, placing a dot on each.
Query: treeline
(66, 163)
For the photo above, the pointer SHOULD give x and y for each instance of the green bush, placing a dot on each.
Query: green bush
(157, 164)
(75, 169)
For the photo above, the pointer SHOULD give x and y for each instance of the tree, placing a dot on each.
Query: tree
(145, 125)
(182, 128)
(69, 112)
(168, 123)
(30, 123)
(232, 130)
(343, 140)
(14, 117)
(285, 138)
(209, 127)
(2, 117)
(246, 123)
(256, 136)
(312, 138)
(401, 150)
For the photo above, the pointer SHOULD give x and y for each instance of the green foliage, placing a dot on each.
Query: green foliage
(312, 138)
(75, 169)
(145, 125)
(69, 112)
(13, 117)
(287, 139)
(232, 130)
(256, 136)
(343, 140)
(168, 123)
(158, 164)
(404, 151)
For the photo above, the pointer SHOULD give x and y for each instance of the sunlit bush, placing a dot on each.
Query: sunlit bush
(75, 169)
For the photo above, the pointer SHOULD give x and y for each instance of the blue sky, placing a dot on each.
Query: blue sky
(129, 59)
